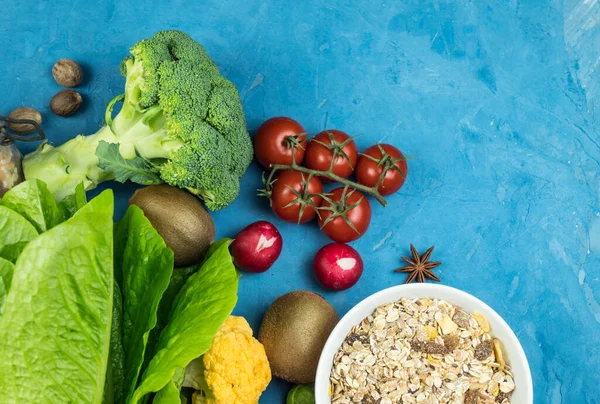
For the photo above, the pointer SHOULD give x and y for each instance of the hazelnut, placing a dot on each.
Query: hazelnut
(65, 102)
(24, 113)
(67, 73)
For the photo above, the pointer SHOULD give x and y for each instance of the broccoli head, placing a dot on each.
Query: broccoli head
(181, 122)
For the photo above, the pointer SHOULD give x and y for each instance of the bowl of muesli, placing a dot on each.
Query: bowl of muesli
(423, 343)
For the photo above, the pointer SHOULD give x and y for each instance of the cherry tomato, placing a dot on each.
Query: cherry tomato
(275, 140)
(378, 159)
(338, 208)
(291, 199)
(331, 145)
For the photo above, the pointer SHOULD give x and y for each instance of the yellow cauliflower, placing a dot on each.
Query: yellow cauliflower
(235, 369)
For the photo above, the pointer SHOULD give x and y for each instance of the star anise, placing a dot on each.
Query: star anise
(419, 266)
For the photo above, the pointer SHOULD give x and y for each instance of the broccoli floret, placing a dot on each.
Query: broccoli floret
(181, 123)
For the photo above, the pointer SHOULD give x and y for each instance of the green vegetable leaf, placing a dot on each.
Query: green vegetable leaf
(115, 372)
(33, 201)
(6, 273)
(178, 279)
(15, 233)
(54, 347)
(72, 203)
(137, 169)
(7, 269)
(145, 264)
(171, 393)
(199, 310)
(301, 394)
(3, 293)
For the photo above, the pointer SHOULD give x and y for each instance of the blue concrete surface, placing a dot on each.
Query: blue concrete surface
(499, 99)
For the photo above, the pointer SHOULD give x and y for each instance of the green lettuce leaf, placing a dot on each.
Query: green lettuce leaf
(115, 373)
(3, 293)
(55, 329)
(33, 201)
(15, 233)
(6, 273)
(145, 264)
(205, 301)
(72, 203)
(178, 279)
(171, 393)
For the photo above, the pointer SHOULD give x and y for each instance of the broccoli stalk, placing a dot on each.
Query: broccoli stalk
(181, 123)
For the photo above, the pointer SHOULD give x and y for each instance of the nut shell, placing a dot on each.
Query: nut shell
(66, 102)
(67, 73)
(24, 113)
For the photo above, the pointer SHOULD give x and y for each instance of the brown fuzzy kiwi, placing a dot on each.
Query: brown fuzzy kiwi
(294, 331)
(179, 218)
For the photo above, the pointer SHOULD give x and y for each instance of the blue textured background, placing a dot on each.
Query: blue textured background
(497, 98)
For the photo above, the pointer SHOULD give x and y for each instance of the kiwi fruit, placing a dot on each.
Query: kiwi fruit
(179, 218)
(294, 331)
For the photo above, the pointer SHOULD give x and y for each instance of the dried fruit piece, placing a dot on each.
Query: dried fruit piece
(484, 350)
(446, 324)
(431, 331)
(24, 113)
(482, 321)
(462, 319)
(67, 73)
(367, 399)
(472, 397)
(352, 337)
(497, 347)
(425, 302)
(451, 342)
(478, 397)
(428, 347)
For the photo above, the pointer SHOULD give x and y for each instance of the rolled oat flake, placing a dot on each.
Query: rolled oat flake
(11, 169)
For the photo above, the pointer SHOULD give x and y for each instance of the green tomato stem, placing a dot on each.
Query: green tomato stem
(372, 191)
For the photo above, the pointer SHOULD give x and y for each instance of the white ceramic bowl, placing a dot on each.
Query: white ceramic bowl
(523, 393)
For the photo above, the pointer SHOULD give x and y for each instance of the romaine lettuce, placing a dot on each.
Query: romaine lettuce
(6, 272)
(143, 263)
(33, 201)
(88, 315)
(203, 304)
(55, 329)
(15, 233)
